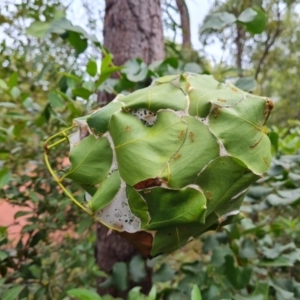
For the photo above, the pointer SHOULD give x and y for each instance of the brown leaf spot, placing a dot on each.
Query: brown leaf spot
(255, 144)
(216, 112)
(141, 240)
(209, 196)
(181, 134)
(176, 156)
(150, 182)
(268, 107)
(46, 149)
(192, 136)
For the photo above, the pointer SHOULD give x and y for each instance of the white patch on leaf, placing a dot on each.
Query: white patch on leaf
(224, 217)
(239, 194)
(146, 116)
(82, 131)
(117, 213)
(223, 151)
(87, 196)
(114, 165)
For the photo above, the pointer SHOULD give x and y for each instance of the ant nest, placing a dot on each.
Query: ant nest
(146, 116)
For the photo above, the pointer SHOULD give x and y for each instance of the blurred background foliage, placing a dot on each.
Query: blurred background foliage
(52, 71)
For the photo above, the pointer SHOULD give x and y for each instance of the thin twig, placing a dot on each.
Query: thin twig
(269, 43)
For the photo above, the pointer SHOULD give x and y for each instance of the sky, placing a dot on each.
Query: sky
(198, 9)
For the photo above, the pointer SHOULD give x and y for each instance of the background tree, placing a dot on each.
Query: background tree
(132, 29)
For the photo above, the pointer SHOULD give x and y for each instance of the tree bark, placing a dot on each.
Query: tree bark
(132, 29)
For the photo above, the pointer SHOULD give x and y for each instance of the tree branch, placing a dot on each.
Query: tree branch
(185, 24)
(269, 43)
(239, 46)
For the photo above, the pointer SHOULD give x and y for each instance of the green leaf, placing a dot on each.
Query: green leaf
(3, 231)
(192, 67)
(106, 61)
(218, 20)
(85, 224)
(81, 92)
(192, 268)
(89, 85)
(135, 294)
(253, 147)
(15, 92)
(135, 70)
(287, 197)
(38, 29)
(247, 15)
(137, 268)
(92, 68)
(259, 191)
(71, 76)
(90, 160)
(261, 289)
(106, 192)
(247, 249)
(98, 121)
(4, 177)
(274, 138)
(258, 24)
(83, 294)
(77, 41)
(13, 80)
(198, 149)
(38, 236)
(163, 274)
(219, 254)
(282, 294)
(61, 25)
(223, 196)
(278, 262)
(247, 84)
(152, 294)
(119, 276)
(209, 244)
(205, 90)
(106, 73)
(12, 293)
(196, 294)
(8, 105)
(141, 154)
(36, 271)
(174, 237)
(138, 205)
(162, 95)
(3, 255)
(55, 100)
(3, 85)
(238, 277)
(168, 208)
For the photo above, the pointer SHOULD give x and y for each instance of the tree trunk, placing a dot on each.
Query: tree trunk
(185, 24)
(132, 29)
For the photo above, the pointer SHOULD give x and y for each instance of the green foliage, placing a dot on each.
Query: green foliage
(43, 87)
(254, 20)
